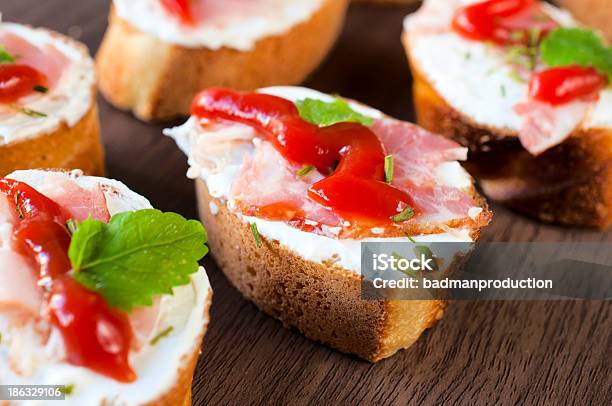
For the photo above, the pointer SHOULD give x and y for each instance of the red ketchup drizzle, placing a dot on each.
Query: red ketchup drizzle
(504, 22)
(180, 9)
(17, 81)
(95, 335)
(564, 84)
(351, 152)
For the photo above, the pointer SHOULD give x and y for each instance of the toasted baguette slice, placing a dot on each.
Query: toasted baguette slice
(163, 359)
(308, 281)
(62, 128)
(157, 80)
(321, 299)
(568, 184)
(595, 13)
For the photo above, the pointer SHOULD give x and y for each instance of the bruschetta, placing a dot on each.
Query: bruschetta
(48, 112)
(289, 193)
(157, 54)
(82, 306)
(595, 13)
(508, 80)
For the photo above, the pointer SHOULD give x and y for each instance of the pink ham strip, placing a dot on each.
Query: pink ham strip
(545, 126)
(417, 154)
(80, 203)
(18, 289)
(48, 59)
(267, 178)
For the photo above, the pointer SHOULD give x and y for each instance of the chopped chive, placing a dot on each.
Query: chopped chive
(534, 36)
(68, 389)
(41, 89)
(161, 335)
(389, 168)
(256, 235)
(29, 112)
(503, 91)
(306, 169)
(468, 56)
(426, 252)
(71, 225)
(410, 238)
(516, 77)
(17, 205)
(405, 215)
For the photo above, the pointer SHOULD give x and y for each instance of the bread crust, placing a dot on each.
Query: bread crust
(595, 13)
(323, 301)
(158, 80)
(569, 184)
(79, 146)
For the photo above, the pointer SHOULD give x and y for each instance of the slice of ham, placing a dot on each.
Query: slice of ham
(46, 59)
(266, 179)
(545, 126)
(417, 156)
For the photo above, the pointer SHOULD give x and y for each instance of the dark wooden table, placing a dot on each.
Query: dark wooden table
(548, 353)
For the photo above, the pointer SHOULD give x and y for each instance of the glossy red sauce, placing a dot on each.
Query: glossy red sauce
(180, 9)
(350, 153)
(504, 22)
(95, 336)
(17, 81)
(565, 84)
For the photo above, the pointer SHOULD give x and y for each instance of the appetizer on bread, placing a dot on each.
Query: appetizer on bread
(595, 13)
(290, 181)
(48, 112)
(158, 54)
(98, 292)
(528, 91)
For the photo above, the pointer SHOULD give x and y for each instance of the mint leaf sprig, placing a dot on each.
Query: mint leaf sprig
(137, 255)
(324, 113)
(577, 46)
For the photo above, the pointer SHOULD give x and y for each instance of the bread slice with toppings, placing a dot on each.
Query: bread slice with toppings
(153, 64)
(165, 337)
(304, 268)
(53, 121)
(477, 94)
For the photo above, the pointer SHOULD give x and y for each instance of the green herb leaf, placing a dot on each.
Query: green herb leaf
(389, 169)
(137, 255)
(325, 114)
(41, 89)
(426, 252)
(412, 240)
(256, 235)
(576, 46)
(405, 215)
(5, 57)
(161, 335)
(305, 170)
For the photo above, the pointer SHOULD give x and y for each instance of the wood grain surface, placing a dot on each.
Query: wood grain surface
(539, 353)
